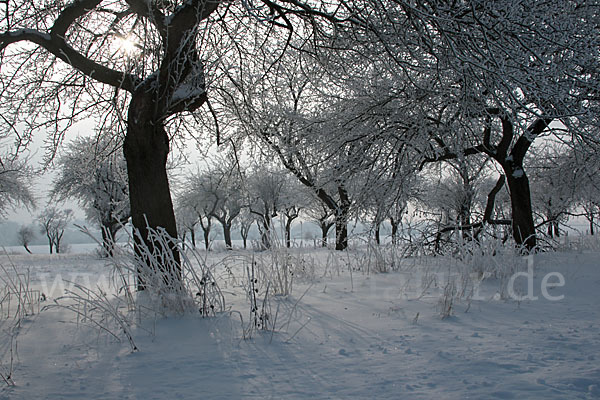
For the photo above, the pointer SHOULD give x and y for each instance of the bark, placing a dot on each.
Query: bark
(227, 235)
(265, 231)
(289, 218)
(146, 148)
(27, 248)
(522, 215)
(395, 225)
(342, 214)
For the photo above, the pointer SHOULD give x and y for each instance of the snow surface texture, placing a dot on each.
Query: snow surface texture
(342, 333)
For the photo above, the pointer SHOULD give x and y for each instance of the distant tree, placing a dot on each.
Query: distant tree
(294, 198)
(264, 190)
(321, 215)
(25, 236)
(53, 223)
(553, 189)
(225, 186)
(94, 172)
(187, 220)
(198, 197)
(245, 219)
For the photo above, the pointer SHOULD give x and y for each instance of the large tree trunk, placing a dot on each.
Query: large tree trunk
(522, 216)
(146, 148)
(378, 233)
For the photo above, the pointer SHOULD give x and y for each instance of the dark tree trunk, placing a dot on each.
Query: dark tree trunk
(341, 220)
(378, 233)
(395, 225)
(592, 225)
(206, 234)
(289, 218)
(27, 248)
(288, 233)
(341, 234)
(193, 237)
(522, 216)
(227, 235)
(265, 234)
(146, 148)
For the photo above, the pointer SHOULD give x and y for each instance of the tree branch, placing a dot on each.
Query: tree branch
(70, 13)
(57, 46)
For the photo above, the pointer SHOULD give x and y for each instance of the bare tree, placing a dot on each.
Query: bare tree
(25, 236)
(321, 215)
(53, 223)
(245, 219)
(264, 190)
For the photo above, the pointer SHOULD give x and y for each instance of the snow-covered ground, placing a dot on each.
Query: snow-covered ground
(346, 331)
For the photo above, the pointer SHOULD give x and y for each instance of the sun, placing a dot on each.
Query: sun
(127, 45)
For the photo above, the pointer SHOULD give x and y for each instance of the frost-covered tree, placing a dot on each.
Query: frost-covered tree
(93, 172)
(265, 187)
(15, 184)
(226, 188)
(136, 67)
(554, 187)
(245, 220)
(25, 235)
(322, 216)
(508, 71)
(187, 220)
(53, 223)
(197, 197)
(294, 199)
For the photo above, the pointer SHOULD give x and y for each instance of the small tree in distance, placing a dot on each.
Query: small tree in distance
(25, 236)
(53, 223)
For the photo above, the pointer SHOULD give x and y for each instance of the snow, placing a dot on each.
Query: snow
(343, 333)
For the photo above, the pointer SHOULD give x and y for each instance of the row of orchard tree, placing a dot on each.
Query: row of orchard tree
(449, 196)
(334, 89)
